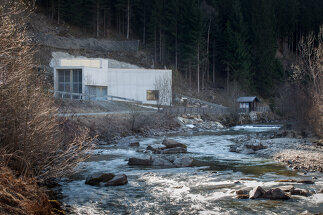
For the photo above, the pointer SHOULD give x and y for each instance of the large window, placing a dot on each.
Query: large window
(70, 81)
(98, 92)
(152, 95)
(77, 83)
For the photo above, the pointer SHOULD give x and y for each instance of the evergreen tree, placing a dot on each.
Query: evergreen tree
(237, 52)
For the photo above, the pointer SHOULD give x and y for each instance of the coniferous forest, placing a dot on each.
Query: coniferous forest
(203, 39)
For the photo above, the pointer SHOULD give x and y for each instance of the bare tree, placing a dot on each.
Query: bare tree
(33, 140)
(308, 74)
(163, 85)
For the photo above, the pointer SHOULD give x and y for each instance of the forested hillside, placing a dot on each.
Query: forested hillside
(204, 39)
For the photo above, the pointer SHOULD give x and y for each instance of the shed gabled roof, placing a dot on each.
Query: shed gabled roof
(248, 99)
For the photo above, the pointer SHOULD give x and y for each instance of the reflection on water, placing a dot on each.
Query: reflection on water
(207, 188)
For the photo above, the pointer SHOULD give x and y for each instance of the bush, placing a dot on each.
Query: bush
(33, 141)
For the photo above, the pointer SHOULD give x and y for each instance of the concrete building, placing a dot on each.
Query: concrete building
(94, 79)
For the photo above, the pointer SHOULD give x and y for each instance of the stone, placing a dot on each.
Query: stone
(233, 148)
(150, 148)
(256, 147)
(173, 144)
(276, 194)
(256, 193)
(118, 180)
(139, 162)
(183, 162)
(305, 182)
(175, 150)
(243, 196)
(161, 162)
(243, 192)
(135, 144)
(300, 192)
(287, 188)
(102, 179)
(248, 151)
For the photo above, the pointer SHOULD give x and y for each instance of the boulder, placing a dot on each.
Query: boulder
(248, 151)
(243, 196)
(102, 179)
(154, 150)
(300, 192)
(175, 150)
(134, 144)
(256, 147)
(243, 192)
(139, 162)
(233, 148)
(172, 144)
(161, 162)
(256, 193)
(276, 194)
(118, 180)
(183, 162)
(287, 188)
(305, 182)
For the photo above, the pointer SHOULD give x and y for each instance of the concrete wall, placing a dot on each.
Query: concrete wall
(95, 77)
(134, 83)
(92, 63)
(126, 83)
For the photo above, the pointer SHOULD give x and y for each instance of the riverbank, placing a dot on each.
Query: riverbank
(209, 186)
(290, 148)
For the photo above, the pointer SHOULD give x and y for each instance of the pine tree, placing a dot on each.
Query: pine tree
(237, 51)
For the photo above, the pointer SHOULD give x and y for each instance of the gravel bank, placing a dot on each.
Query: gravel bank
(298, 153)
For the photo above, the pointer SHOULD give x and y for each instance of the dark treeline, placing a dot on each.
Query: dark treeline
(203, 39)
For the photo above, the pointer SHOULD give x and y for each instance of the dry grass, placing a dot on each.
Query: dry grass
(18, 196)
(112, 126)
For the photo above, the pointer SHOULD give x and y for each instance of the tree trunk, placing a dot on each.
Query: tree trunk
(97, 18)
(228, 80)
(176, 47)
(144, 30)
(128, 20)
(53, 9)
(198, 68)
(104, 23)
(58, 11)
(160, 44)
(190, 73)
(207, 52)
(213, 69)
(155, 44)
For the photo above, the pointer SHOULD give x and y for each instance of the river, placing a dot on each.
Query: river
(204, 189)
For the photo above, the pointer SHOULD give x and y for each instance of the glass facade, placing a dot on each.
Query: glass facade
(70, 81)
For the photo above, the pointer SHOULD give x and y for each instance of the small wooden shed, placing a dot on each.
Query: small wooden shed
(247, 104)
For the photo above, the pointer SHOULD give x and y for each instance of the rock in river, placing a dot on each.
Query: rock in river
(118, 180)
(102, 179)
(183, 162)
(256, 193)
(134, 144)
(109, 179)
(276, 194)
(175, 150)
(139, 162)
(300, 192)
(161, 162)
(173, 144)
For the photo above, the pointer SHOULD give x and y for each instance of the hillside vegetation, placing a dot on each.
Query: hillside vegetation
(237, 39)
